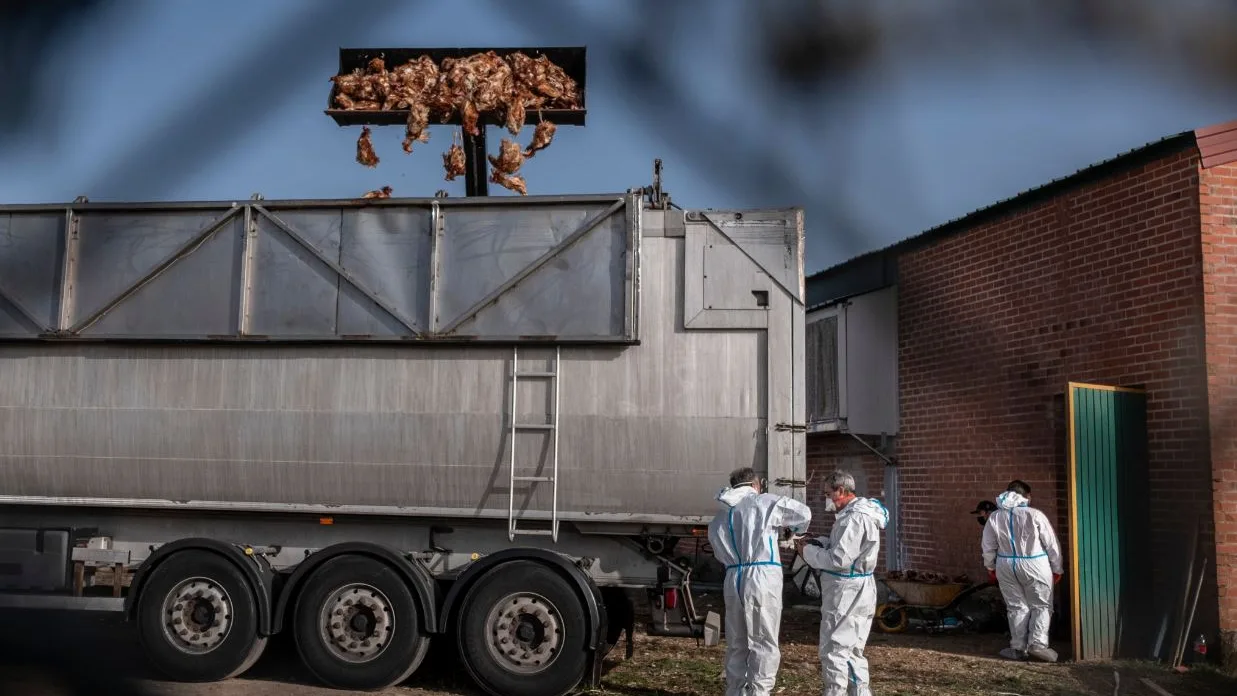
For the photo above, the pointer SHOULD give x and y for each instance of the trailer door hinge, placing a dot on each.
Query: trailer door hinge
(790, 427)
(793, 483)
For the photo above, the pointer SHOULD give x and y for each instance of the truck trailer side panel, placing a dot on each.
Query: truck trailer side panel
(679, 359)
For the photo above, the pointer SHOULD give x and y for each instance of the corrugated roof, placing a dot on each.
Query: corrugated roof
(1217, 145)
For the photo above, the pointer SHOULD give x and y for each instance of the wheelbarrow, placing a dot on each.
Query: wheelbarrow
(933, 605)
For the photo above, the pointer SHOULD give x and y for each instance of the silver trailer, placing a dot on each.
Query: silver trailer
(381, 423)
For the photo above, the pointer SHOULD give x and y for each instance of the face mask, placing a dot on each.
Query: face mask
(982, 522)
(830, 506)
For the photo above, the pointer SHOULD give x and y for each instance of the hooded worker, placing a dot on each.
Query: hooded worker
(847, 559)
(744, 536)
(981, 512)
(1022, 555)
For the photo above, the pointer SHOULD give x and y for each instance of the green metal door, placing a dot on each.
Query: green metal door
(1108, 499)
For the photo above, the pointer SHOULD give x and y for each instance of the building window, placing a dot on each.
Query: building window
(822, 368)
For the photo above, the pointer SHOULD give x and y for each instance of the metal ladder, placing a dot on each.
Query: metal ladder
(513, 428)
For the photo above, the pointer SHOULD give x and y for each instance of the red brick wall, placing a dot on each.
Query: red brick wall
(828, 452)
(1218, 200)
(1098, 284)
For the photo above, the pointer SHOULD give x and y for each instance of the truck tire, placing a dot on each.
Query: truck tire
(358, 626)
(521, 632)
(197, 618)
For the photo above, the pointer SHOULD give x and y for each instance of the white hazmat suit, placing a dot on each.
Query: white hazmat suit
(847, 560)
(744, 537)
(1020, 545)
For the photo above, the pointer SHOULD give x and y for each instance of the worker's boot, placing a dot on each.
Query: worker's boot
(1042, 653)
(1016, 655)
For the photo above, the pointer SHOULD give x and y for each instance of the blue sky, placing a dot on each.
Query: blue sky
(914, 143)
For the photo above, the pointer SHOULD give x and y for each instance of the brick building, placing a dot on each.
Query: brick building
(938, 367)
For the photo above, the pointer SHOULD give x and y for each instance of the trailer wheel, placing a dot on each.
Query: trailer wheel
(198, 619)
(521, 632)
(357, 625)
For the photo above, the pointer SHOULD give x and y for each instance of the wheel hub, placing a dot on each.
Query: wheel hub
(197, 615)
(356, 623)
(525, 631)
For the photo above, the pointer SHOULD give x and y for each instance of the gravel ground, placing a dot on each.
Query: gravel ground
(93, 647)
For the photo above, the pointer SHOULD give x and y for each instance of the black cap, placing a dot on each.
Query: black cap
(984, 506)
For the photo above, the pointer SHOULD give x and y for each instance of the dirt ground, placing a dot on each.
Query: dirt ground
(901, 666)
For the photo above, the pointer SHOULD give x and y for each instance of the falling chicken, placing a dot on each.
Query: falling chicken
(506, 165)
(384, 192)
(542, 137)
(412, 87)
(517, 112)
(365, 149)
(509, 157)
(417, 129)
(513, 182)
(453, 160)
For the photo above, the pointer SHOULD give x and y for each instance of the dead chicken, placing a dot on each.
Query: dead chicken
(513, 182)
(547, 84)
(516, 110)
(414, 81)
(472, 86)
(376, 85)
(348, 88)
(453, 160)
(417, 129)
(363, 89)
(542, 137)
(365, 149)
(509, 157)
(469, 117)
(384, 192)
(412, 87)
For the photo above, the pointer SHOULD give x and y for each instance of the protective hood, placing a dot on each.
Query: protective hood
(1010, 500)
(729, 497)
(868, 507)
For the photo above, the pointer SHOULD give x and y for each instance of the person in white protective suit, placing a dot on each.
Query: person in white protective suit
(1022, 555)
(847, 559)
(744, 536)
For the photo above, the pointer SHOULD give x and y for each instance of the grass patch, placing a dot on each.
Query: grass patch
(904, 665)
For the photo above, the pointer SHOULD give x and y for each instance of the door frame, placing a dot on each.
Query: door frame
(1072, 476)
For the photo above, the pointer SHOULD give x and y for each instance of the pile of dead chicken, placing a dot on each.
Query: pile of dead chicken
(470, 87)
